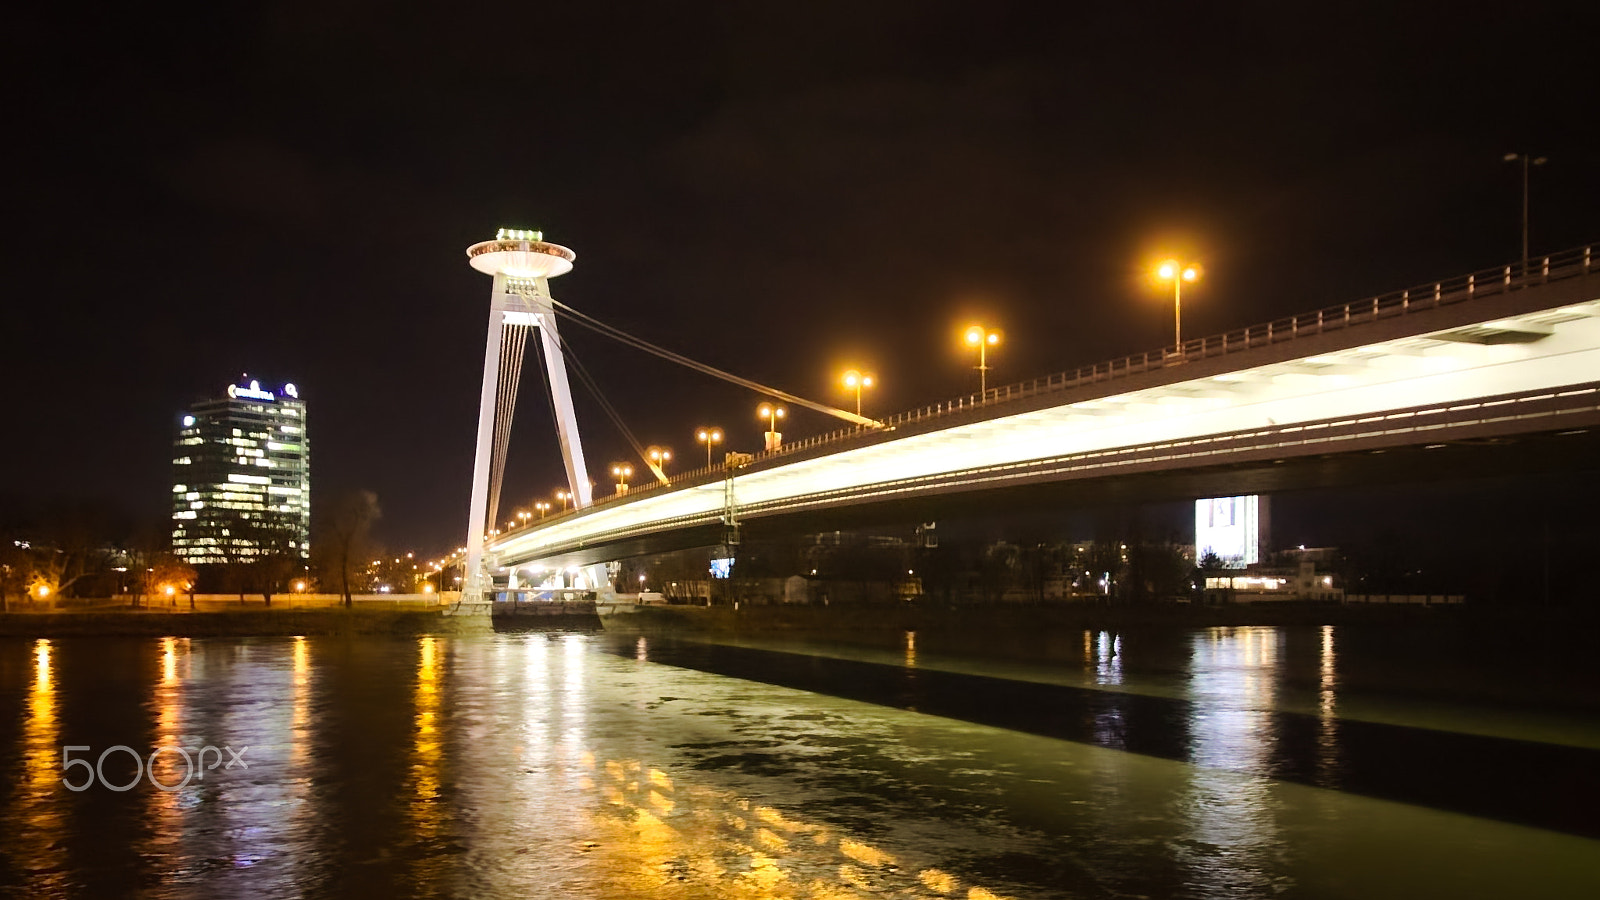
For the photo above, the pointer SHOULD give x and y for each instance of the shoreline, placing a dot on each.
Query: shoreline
(960, 625)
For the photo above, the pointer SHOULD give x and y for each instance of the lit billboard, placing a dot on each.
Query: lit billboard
(1233, 528)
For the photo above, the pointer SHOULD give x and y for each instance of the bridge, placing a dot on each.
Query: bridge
(1507, 354)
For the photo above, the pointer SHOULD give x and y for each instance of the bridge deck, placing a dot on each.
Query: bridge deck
(1494, 353)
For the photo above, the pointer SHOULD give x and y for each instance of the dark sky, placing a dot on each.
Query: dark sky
(778, 189)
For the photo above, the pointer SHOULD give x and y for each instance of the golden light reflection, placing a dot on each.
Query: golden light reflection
(165, 809)
(426, 813)
(41, 804)
(300, 718)
(169, 662)
(712, 843)
(911, 649)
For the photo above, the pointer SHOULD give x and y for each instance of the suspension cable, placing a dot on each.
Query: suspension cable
(611, 412)
(513, 342)
(618, 334)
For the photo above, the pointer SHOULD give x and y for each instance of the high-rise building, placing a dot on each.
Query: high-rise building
(241, 482)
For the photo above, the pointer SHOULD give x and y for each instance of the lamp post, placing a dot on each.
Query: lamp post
(708, 436)
(524, 515)
(1172, 271)
(1527, 162)
(622, 472)
(855, 380)
(772, 412)
(983, 339)
(563, 496)
(542, 507)
(659, 457)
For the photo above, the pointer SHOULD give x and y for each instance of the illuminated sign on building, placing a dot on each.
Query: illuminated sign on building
(1231, 528)
(253, 392)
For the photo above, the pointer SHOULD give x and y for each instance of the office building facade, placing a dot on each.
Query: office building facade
(241, 483)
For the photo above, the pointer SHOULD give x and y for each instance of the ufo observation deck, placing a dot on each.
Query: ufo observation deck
(520, 254)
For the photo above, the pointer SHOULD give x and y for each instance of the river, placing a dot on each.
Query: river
(1227, 762)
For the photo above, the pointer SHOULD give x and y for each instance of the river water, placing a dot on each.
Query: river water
(1292, 762)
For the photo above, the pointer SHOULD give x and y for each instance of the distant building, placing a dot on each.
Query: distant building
(1233, 529)
(241, 477)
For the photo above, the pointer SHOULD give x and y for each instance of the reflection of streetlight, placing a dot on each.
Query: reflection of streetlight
(855, 380)
(1173, 271)
(623, 472)
(1526, 163)
(983, 339)
(563, 496)
(772, 413)
(709, 436)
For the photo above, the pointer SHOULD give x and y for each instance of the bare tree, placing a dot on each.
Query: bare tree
(346, 530)
(14, 568)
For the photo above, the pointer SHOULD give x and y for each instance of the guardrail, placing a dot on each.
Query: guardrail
(1575, 263)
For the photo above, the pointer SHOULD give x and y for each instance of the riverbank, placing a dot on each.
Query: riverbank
(961, 627)
(834, 620)
(231, 623)
(1032, 630)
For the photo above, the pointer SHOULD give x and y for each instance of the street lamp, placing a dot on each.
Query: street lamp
(623, 472)
(524, 515)
(772, 413)
(708, 436)
(542, 507)
(1171, 270)
(855, 380)
(659, 457)
(563, 496)
(1527, 162)
(983, 339)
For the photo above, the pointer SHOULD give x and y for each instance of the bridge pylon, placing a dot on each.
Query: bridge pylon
(522, 264)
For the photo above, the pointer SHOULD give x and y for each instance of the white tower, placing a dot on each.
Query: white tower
(522, 264)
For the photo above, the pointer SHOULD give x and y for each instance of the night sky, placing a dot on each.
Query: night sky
(781, 190)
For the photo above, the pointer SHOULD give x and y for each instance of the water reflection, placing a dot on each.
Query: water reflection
(300, 718)
(1108, 658)
(658, 834)
(39, 808)
(1327, 710)
(541, 765)
(1104, 653)
(1230, 810)
(426, 813)
(172, 790)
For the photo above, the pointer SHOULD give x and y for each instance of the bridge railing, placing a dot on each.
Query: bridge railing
(1573, 263)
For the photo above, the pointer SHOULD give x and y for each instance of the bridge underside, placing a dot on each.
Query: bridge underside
(1470, 452)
